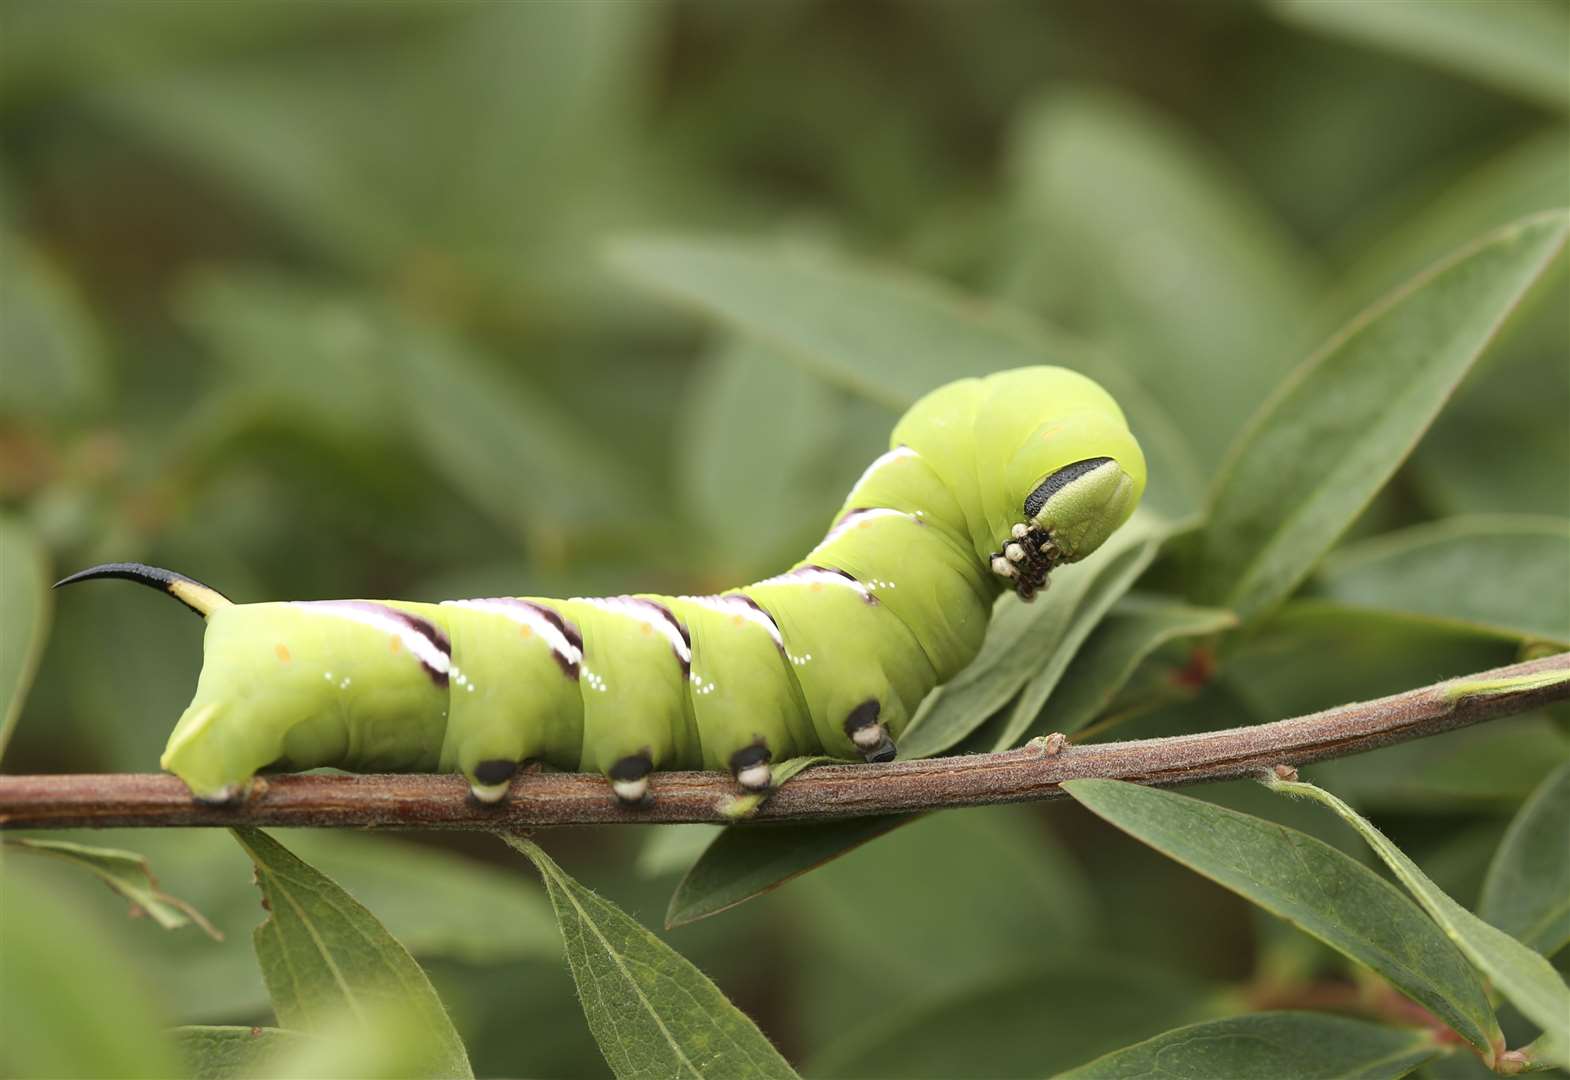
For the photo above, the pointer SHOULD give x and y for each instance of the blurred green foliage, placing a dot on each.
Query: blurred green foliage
(429, 299)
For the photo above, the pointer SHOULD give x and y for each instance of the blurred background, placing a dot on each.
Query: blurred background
(333, 299)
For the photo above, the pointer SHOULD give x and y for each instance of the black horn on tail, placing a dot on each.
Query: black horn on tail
(202, 599)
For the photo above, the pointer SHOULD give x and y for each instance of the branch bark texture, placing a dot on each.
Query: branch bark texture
(540, 799)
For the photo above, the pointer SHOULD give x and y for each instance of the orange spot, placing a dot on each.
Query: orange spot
(864, 525)
(737, 620)
(647, 629)
(283, 652)
(394, 645)
(816, 586)
(525, 631)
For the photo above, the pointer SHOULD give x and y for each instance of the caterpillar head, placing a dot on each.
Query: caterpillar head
(1077, 478)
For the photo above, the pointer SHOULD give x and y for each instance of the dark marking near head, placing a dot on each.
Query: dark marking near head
(633, 767)
(670, 617)
(1058, 481)
(863, 715)
(496, 771)
(748, 756)
(154, 577)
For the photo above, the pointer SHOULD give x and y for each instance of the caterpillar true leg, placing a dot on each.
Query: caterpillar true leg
(989, 484)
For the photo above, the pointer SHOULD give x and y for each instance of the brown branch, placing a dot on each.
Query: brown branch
(831, 791)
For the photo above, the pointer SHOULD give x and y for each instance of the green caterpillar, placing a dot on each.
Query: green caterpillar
(990, 483)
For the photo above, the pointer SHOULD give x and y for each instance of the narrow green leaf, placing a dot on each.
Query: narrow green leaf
(1526, 979)
(1527, 891)
(321, 953)
(651, 1011)
(1115, 198)
(437, 903)
(72, 1003)
(501, 445)
(54, 365)
(743, 863)
(1019, 1024)
(1029, 645)
(128, 874)
(889, 336)
(1505, 573)
(1303, 1045)
(1312, 885)
(25, 607)
(753, 429)
(1328, 440)
(1512, 45)
(233, 1053)
(1131, 632)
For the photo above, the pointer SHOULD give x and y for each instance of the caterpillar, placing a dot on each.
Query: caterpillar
(988, 485)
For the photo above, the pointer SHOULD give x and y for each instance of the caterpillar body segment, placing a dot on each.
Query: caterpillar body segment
(988, 484)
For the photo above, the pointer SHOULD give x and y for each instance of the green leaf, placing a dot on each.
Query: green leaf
(1525, 979)
(54, 365)
(1331, 436)
(1028, 646)
(1130, 633)
(1117, 201)
(917, 948)
(743, 863)
(322, 953)
(1303, 1045)
(1527, 891)
(1019, 1024)
(128, 874)
(891, 337)
(72, 1002)
(233, 1053)
(753, 430)
(25, 607)
(651, 1011)
(437, 903)
(1312, 885)
(503, 446)
(1516, 46)
(1504, 573)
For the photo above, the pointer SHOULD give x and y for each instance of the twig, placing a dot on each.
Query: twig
(831, 791)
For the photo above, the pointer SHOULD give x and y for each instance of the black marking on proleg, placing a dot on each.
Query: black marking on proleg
(154, 577)
(884, 751)
(863, 715)
(756, 754)
(670, 617)
(496, 771)
(1058, 481)
(632, 767)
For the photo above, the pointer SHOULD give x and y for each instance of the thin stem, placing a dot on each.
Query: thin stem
(831, 791)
